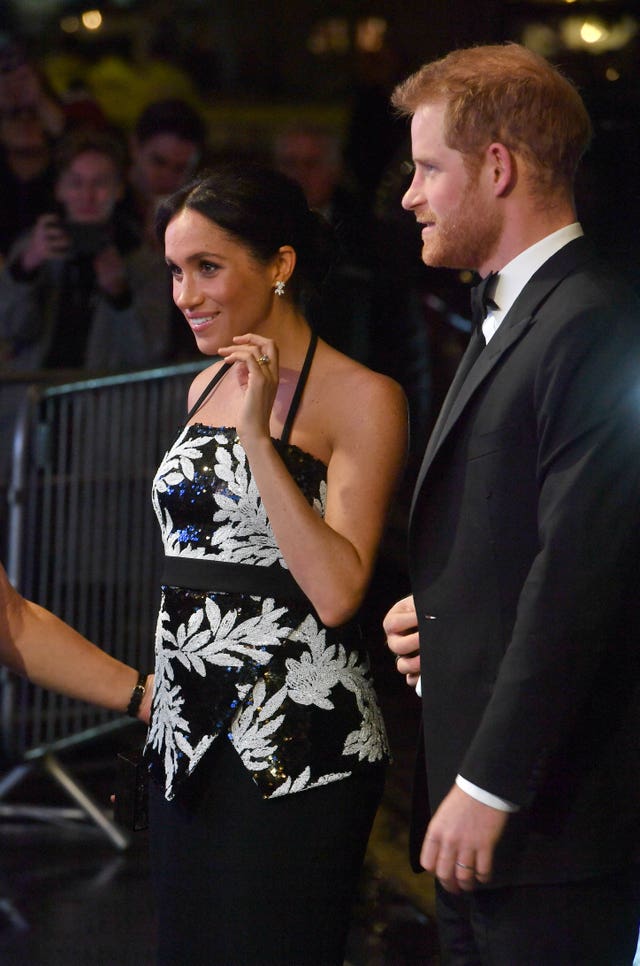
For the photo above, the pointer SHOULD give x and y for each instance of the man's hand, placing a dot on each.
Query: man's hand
(401, 627)
(460, 841)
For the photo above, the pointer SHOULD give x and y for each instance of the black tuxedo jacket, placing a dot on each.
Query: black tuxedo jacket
(525, 568)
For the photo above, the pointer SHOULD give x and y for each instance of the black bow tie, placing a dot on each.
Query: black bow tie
(481, 301)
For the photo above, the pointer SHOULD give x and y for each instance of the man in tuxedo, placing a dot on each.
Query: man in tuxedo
(523, 628)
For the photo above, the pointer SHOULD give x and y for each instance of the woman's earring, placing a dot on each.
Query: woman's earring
(279, 287)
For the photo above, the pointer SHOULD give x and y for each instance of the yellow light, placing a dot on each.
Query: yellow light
(92, 19)
(591, 33)
(612, 74)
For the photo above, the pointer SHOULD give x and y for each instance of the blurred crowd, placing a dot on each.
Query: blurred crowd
(80, 261)
(83, 284)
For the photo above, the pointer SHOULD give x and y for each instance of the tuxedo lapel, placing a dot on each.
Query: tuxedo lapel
(475, 367)
(473, 370)
(472, 353)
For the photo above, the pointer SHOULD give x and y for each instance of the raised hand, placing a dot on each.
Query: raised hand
(255, 360)
(47, 240)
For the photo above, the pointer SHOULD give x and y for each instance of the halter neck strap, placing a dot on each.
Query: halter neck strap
(210, 385)
(297, 395)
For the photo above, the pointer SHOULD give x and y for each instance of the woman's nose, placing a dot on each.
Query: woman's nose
(187, 294)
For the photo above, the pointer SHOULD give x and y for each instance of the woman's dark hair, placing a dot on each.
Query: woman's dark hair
(262, 209)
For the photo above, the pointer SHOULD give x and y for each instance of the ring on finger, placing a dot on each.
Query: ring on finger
(263, 360)
(467, 868)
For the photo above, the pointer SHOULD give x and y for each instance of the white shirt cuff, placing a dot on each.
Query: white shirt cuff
(485, 797)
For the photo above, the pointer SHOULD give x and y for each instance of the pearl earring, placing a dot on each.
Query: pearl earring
(279, 287)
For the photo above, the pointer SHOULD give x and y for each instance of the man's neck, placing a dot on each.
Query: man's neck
(524, 229)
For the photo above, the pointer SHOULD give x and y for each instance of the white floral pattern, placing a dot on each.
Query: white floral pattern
(243, 534)
(282, 687)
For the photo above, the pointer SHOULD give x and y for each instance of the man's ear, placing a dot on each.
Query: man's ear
(502, 167)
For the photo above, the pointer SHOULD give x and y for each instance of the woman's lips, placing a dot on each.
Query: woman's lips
(200, 322)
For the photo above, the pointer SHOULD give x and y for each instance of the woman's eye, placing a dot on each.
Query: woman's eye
(208, 268)
(175, 271)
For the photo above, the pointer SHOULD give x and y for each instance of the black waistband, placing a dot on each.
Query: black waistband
(196, 573)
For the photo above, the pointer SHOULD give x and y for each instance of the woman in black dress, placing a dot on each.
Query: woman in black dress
(266, 741)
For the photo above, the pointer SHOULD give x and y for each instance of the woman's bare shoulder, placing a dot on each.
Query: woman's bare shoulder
(345, 379)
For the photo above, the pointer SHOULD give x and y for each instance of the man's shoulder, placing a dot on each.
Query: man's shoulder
(579, 280)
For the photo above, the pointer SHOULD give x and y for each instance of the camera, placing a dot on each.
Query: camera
(87, 238)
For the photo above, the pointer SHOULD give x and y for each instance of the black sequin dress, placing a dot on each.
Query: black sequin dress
(251, 684)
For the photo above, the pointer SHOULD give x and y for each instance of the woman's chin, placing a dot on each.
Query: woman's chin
(207, 344)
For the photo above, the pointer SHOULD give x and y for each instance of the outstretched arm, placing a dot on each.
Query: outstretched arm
(37, 644)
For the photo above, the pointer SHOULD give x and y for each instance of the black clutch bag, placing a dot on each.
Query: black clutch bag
(131, 795)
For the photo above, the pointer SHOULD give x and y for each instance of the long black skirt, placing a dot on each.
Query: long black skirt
(241, 881)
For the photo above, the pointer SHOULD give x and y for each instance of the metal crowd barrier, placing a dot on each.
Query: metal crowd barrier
(83, 541)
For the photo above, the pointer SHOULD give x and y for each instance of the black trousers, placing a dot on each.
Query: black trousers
(592, 922)
(241, 881)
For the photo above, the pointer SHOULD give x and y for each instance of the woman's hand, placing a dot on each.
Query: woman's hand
(255, 361)
(144, 711)
(47, 240)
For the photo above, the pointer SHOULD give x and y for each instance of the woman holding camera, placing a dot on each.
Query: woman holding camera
(79, 291)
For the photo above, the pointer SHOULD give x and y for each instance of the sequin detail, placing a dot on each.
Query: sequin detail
(293, 696)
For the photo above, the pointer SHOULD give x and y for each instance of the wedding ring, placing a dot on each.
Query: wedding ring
(468, 868)
(263, 360)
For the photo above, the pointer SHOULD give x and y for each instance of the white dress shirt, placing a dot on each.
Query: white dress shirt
(516, 273)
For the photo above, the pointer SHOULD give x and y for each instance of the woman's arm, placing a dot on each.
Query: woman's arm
(37, 644)
(332, 559)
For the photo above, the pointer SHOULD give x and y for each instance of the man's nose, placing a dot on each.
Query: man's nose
(410, 197)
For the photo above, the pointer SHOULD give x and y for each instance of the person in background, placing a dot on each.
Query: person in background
(361, 300)
(312, 156)
(266, 744)
(524, 535)
(38, 645)
(344, 316)
(31, 122)
(166, 147)
(78, 290)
